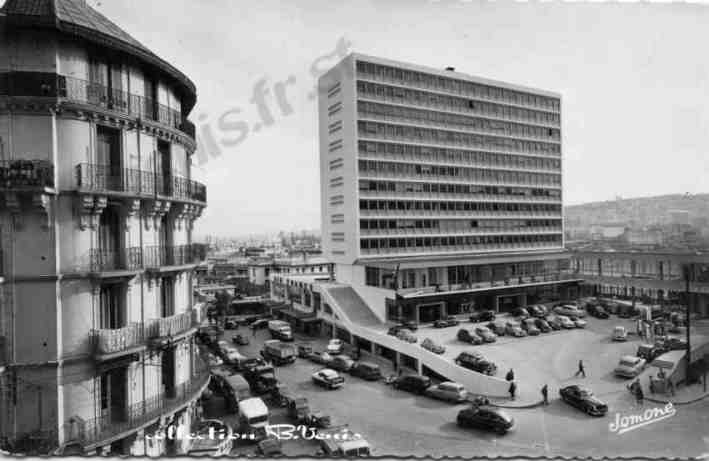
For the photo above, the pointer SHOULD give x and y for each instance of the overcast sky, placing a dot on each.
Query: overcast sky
(634, 80)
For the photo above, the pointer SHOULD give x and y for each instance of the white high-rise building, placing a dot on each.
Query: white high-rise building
(434, 181)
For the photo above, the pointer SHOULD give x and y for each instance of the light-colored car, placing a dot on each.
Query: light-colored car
(514, 329)
(448, 391)
(579, 322)
(322, 358)
(486, 334)
(335, 346)
(432, 346)
(566, 322)
(619, 333)
(630, 366)
(328, 378)
(568, 309)
(406, 335)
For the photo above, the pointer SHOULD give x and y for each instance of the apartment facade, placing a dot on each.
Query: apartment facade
(96, 234)
(439, 191)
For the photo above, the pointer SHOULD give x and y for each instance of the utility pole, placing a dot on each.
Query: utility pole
(687, 276)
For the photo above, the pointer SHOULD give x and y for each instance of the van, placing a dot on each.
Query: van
(366, 370)
(235, 389)
(280, 330)
(253, 418)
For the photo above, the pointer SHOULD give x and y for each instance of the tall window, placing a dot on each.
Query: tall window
(111, 312)
(372, 276)
(167, 297)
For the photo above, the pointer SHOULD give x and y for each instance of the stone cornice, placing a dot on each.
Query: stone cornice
(31, 105)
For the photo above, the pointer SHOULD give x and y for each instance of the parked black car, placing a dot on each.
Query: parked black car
(476, 362)
(393, 331)
(543, 325)
(366, 370)
(482, 316)
(412, 383)
(595, 310)
(259, 324)
(487, 418)
(520, 312)
(410, 325)
(583, 399)
(469, 337)
(449, 321)
(650, 352)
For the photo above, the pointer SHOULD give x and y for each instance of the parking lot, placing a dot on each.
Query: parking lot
(549, 358)
(395, 422)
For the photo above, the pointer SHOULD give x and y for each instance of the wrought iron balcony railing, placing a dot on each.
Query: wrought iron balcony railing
(107, 178)
(169, 326)
(105, 260)
(16, 174)
(111, 341)
(162, 255)
(123, 419)
(98, 94)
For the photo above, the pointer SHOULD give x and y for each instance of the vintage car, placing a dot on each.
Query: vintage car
(629, 366)
(341, 363)
(486, 418)
(554, 322)
(432, 346)
(448, 391)
(476, 362)
(498, 327)
(304, 349)
(412, 383)
(366, 370)
(619, 333)
(469, 336)
(583, 399)
(486, 334)
(407, 335)
(596, 310)
(240, 340)
(530, 326)
(566, 322)
(323, 358)
(578, 322)
(482, 316)
(543, 325)
(514, 329)
(568, 309)
(328, 378)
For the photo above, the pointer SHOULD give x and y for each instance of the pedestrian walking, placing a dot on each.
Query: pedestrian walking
(545, 394)
(510, 375)
(671, 387)
(581, 370)
(513, 390)
(640, 396)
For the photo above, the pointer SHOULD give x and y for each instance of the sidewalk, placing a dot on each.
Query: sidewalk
(684, 395)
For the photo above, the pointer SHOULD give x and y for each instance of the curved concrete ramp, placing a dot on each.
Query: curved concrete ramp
(353, 306)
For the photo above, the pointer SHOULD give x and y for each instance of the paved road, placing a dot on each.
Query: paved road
(395, 422)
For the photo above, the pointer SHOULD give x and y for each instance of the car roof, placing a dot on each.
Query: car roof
(328, 372)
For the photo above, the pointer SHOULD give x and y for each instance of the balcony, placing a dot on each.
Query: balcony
(108, 343)
(179, 255)
(96, 94)
(123, 420)
(124, 259)
(26, 174)
(105, 178)
(157, 330)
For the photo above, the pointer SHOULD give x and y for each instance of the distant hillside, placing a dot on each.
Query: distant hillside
(643, 211)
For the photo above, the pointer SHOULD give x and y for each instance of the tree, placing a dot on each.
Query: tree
(223, 299)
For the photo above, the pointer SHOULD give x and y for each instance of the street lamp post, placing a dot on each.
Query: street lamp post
(687, 275)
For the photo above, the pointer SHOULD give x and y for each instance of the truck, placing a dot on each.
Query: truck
(261, 379)
(341, 441)
(278, 352)
(280, 330)
(253, 418)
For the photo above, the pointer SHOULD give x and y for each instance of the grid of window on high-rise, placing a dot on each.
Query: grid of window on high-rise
(451, 165)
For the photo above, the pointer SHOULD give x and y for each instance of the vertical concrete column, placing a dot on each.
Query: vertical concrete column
(523, 299)
(417, 315)
(419, 367)
(497, 304)
(397, 360)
